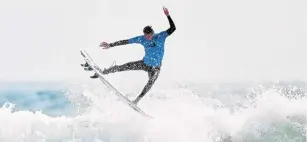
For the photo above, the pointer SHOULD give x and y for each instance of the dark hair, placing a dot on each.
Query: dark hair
(148, 30)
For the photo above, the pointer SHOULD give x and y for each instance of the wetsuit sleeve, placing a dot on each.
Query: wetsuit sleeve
(117, 43)
(136, 39)
(172, 27)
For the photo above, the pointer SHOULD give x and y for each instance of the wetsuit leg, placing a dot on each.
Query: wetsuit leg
(135, 65)
(153, 74)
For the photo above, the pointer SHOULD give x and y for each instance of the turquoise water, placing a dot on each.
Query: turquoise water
(233, 112)
(51, 102)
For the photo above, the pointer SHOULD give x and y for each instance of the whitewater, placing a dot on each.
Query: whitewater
(191, 112)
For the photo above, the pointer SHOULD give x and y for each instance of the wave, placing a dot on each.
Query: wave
(180, 114)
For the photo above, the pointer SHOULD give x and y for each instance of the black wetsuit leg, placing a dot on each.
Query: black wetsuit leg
(135, 65)
(153, 74)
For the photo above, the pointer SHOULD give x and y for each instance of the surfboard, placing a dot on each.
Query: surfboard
(121, 97)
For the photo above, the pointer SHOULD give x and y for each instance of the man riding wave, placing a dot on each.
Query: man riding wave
(154, 51)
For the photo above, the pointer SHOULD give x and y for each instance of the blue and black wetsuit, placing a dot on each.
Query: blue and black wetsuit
(152, 61)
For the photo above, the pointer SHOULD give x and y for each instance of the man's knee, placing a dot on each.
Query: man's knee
(110, 70)
(153, 78)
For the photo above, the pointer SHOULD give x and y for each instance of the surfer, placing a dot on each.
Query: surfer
(154, 51)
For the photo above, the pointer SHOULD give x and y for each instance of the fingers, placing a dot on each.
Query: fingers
(165, 11)
(164, 8)
(104, 45)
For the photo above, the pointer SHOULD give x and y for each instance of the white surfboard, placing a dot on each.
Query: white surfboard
(96, 69)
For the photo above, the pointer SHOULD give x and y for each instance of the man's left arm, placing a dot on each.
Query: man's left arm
(172, 27)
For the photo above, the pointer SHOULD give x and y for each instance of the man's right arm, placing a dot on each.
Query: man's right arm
(122, 42)
(136, 39)
(118, 43)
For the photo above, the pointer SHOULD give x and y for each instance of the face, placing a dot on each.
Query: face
(148, 36)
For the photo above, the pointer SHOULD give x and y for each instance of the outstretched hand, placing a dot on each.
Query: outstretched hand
(165, 11)
(104, 45)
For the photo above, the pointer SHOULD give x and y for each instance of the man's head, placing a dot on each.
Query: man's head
(148, 32)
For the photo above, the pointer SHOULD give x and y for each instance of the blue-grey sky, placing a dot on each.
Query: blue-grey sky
(214, 41)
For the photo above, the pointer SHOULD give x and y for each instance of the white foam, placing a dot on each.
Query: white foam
(179, 115)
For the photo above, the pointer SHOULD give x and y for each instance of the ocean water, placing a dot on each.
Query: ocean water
(186, 112)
